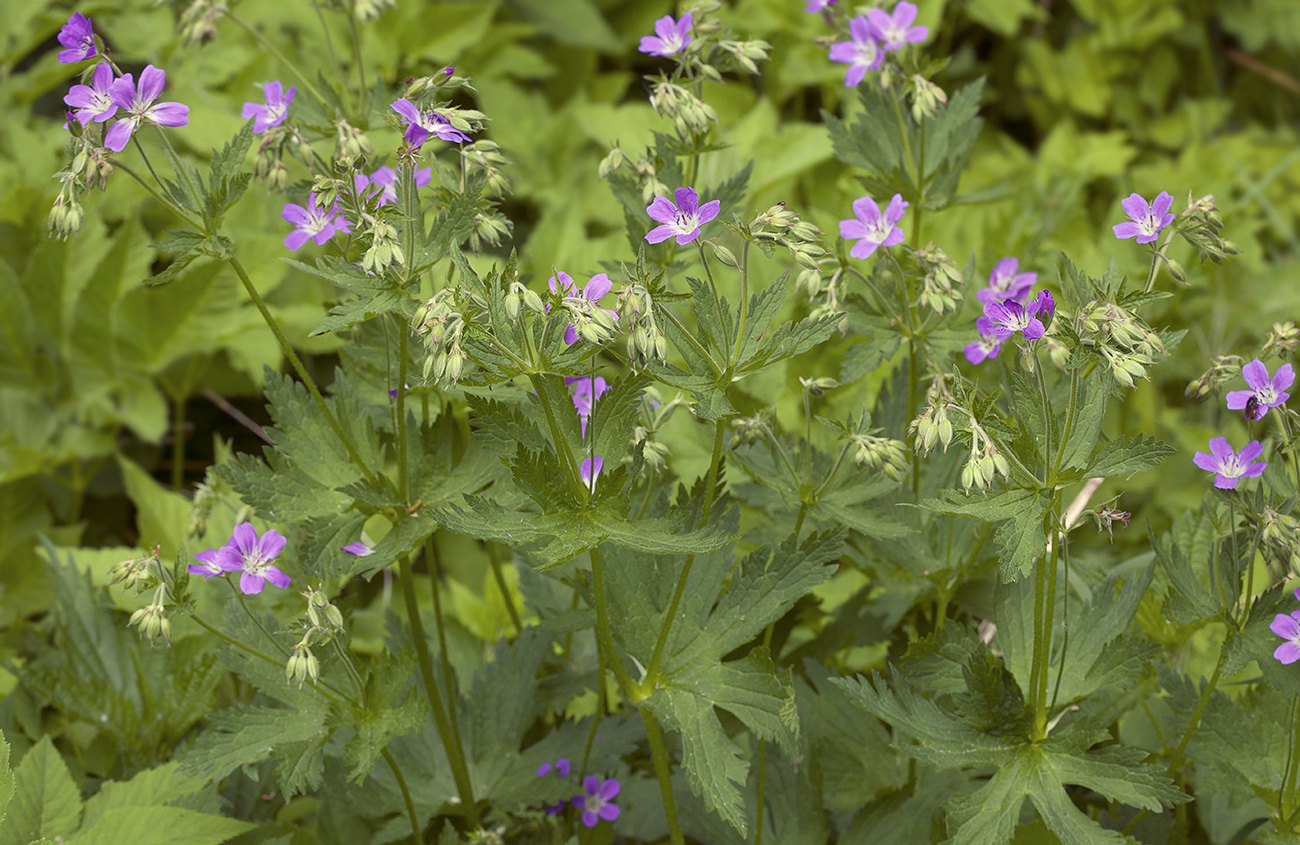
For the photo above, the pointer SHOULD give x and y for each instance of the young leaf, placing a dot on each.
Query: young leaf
(46, 803)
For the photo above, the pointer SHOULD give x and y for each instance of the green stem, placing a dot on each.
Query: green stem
(352, 669)
(744, 303)
(1046, 408)
(1285, 794)
(417, 835)
(601, 705)
(907, 143)
(605, 638)
(506, 595)
(1068, 429)
(273, 50)
(694, 341)
(659, 753)
(449, 682)
(562, 450)
(337, 696)
(1286, 432)
(159, 198)
(361, 69)
(762, 784)
(830, 476)
(1064, 539)
(182, 171)
(920, 180)
(717, 302)
(880, 297)
(325, 30)
(1048, 620)
(239, 595)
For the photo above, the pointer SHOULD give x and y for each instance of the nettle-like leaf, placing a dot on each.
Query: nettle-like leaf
(376, 293)
(1020, 535)
(393, 707)
(46, 803)
(1126, 456)
(144, 810)
(245, 734)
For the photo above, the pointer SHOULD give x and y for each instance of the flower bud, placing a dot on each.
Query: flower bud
(725, 255)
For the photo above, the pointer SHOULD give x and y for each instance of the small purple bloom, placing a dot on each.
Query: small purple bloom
(251, 555)
(94, 101)
(1228, 466)
(989, 344)
(1147, 220)
(597, 800)
(1005, 283)
(589, 472)
(896, 31)
(1267, 393)
(138, 103)
(359, 549)
(599, 285)
(815, 6)
(421, 124)
(861, 54)
(274, 111)
(385, 180)
(682, 219)
(1288, 628)
(673, 36)
(79, 37)
(584, 397)
(313, 223)
(561, 768)
(208, 566)
(873, 229)
(1010, 317)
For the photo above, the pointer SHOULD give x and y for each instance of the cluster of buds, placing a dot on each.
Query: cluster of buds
(926, 98)
(520, 297)
(612, 161)
(817, 387)
(939, 280)
(1282, 340)
(750, 430)
(881, 453)
(1281, 539)
(385, 249)
(66, 215)
(932, 426)
(441, 328)
(302, 664)
(443, 79)
(486, 157)
(152, 619)
(825, 291)
(89, 168)
(1123, 340)
(746, 53)
(781, 226)
(198, 23)
(985, 461)
(205, 500)
(364, 10)
(689, 114)
(1200, 225)
(654, 414)
(350, 144)
(138, 572)
(1223, 369)
(489, 227)
(645, 343)
(323, 615)
(1107, 515)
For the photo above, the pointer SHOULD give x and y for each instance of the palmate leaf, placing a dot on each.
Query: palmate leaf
(244, 734)
(1020, 537)
(1127, 455)
(46, 803)
(392, 707)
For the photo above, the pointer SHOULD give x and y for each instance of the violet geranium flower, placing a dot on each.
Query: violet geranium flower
(94, 101)
(1005, 283)
(139, 105)
(385, 181)
(208, 566)
(597, 800)
(815, 6)
(1229, 466)
(1287, 626)
(1145, 221)
(313, 223)
(78, 36)
(1011, 317)
(585, 393)
(275, 110)
(671, 36)
(421, 124)
(862, 53)
(248, 554)
(682, 219)
(359, 549)
(1267, 393)
(872, 229)
(896, 31)
(589, 472)
(561, 768)
(599, 285)
(989, 344)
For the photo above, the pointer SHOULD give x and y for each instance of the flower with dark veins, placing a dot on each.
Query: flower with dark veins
(682, 219)
(251, 555)
(94, 101)
(1145, 221)
(989, 344)
(139, 106)
(1005, 283)
(1267, 393)
(872, 229)
(1010, 317)
(312, 223)
(1229, 466)
(78, 36)
(421, 124)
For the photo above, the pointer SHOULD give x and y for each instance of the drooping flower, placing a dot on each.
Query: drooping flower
(1267, 393)
(589, 472)
(1229, 466)
(871, 228)
(208, 565)
(78, 36)
(561, 768)
(597, 800)
(671, 36)
(273, 112)
(421, 124)
(682, 219)
(989, 344)
(250, 555)
(312, 223)
(385, 181)
(1010, 317)
(585, 393)
(94, 101)
(359, 549)
(896, 31)
(862, 53)
(1145, 221)
(815, 6)
(139, 105)
(1287, 626)
(599, 285)
(1005, 283)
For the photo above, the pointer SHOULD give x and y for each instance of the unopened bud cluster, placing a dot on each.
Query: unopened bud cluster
(140, 573)
(933, 426)
(1126, 343)
(351, 146)
(939, 280)
(690, 115)
(746, 54)
(881, 453)
(152, 619)
(486, 158)
(985, 462)
(1201, 226)
(817, 387)
(926, 98)
(654, 414)
(782, 226)
(519, 298)
(645, 343)
(1223, 369)
(198, 23)
(1281, 539)
(751, 430)
(145, 573)
(89, 168)
(1282, 340)
(441, 328)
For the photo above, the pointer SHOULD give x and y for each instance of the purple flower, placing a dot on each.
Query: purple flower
(252, 556)
(589, 472)
(896, 31)
(1005, 283)
(989, 344)
(313, 223)
(872, 228)
(94, 101)
(561, 768)
(421, 124)
(683, 219)
(138, 103)
(594, 290)
(1010, 317)
(861, 54)
(818, 5)
(673, 36)
(274, 112)
(79, 37)
(1229, 466)
(584, 398)
(1267, 393)
(385, 180)
(597, 802)
(359, 549)
(1147, 220)
(1288, 628)
(208, 567)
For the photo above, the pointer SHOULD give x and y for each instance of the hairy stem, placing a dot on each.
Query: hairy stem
(663, 770)
(417, 835)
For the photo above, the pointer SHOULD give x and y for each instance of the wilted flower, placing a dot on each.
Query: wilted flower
(597, 800)
(873, 229)
(1107, 515)
(1264, 393)
(561, 768)
(1229, 466)
(682, 219)
(273, 112)
(78, 36)
(138, 103)
(861, 53)
(1147, 220)
(312, 223)
(670, 36)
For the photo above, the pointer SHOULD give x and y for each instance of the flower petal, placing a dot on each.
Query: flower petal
(1287, 653)
(118, 134)
(709, 210)
(1206, 461)
(250, 584)
(1285, 626)
(1127, 229)
(867, 211)
(1220, 449)
(152, 80)
(659, 234)
(1134, 206)
(688, 202)
(276, 576)
(1161, 204)
(597, 287)
(1283, 378)
(244, 539)
(271, 544)
(1250, 452)
(1256, 374)
(662, 210)
(1237, 399)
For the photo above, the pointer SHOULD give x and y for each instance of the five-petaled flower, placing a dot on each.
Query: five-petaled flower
(1145, 221)
(94, 101)
(1229, 466)
(589, 472)
(1010, 317)
(208, 566)
(313, 223)
(597, 800)
(1287, 626)
(682, 219)
(599, 285)
(421, 124)
(862, 53)
(989, 344)
(896, 31)
(585, 393)
(1267, 393)
(78, 36)
(251, 555)
(671, 36)
(139, 105)
(274, 111)
(1005, 283)
(873, 229)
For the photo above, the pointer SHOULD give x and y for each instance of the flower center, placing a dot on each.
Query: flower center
(1266, 395)
(686, 222)
(866, 51)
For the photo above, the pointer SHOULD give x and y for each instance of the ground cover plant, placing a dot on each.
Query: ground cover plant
(590, 421)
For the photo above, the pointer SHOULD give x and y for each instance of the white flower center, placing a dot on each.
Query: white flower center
(866, 52)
